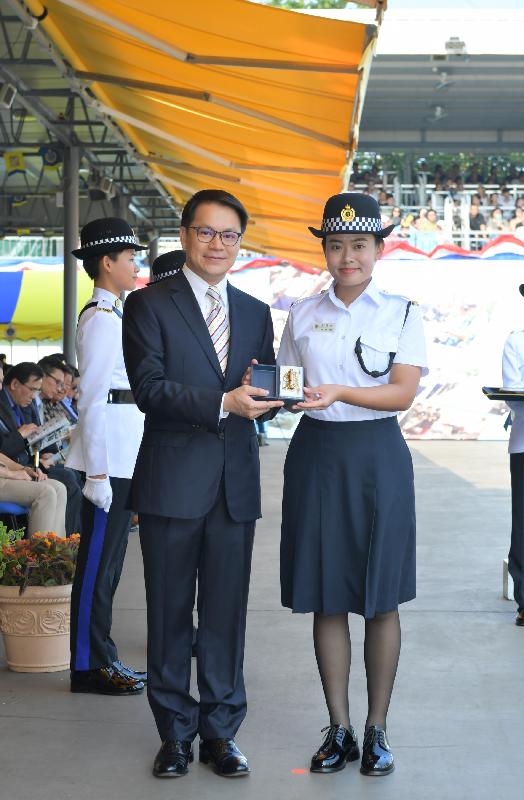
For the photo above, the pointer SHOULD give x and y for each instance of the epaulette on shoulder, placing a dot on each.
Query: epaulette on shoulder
(308, 297)
(400, 297)
(104, 308)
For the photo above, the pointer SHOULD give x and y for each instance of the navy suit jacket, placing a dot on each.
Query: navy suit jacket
(177, 382)
(12, 443)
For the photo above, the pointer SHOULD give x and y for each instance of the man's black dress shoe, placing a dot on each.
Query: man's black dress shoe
(173, 758)
(339, 747)
(224, 755)
(130, 673)
(106, 680)
(377, 758)
(519, 618)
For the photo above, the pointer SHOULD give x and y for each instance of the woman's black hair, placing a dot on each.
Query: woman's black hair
(92, 265)
(213, 196)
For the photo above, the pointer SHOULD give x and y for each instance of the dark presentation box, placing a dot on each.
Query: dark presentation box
(282, 382)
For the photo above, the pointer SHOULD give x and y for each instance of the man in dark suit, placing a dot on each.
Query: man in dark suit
(188, 340)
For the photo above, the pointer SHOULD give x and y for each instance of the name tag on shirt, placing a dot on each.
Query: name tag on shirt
(324, 327)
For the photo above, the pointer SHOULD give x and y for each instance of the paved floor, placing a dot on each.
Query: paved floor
(456, 716)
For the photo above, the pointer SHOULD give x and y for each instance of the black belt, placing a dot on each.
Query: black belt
(120, 396)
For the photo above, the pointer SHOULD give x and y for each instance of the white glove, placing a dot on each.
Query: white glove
(98, 491)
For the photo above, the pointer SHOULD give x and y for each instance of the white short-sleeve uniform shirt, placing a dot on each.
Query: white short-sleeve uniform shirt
(513, 378)
(321, 333)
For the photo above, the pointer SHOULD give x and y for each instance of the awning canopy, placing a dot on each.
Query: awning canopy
(261, 101)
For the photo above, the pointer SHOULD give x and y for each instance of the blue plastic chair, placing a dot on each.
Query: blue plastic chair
(12, 511)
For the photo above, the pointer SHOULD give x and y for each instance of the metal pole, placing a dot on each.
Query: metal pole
(71, 226)
(153, 253)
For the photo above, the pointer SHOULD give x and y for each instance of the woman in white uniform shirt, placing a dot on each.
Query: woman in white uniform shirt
(348, 512)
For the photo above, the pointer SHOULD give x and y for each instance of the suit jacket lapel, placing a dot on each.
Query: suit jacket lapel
(235, 326)
(186, 303)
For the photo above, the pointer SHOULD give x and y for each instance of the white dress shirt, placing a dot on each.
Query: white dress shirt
(200, 287)
(513, 378)
(321, 333)
(108, 435)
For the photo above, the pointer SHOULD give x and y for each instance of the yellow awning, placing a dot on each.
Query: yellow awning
(260, 101)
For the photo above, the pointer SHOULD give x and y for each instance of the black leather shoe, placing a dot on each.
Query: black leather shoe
(339, 747)
(130, 673)
(173, 758)
(106, 680)
(377, 758)
(519, 618)
(224, 755)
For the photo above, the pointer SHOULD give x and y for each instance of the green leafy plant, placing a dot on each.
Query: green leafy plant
(44, 559)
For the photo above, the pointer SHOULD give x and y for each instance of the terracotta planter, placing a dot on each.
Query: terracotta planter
(35, 627)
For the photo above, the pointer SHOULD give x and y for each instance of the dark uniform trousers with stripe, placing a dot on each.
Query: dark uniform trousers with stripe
(516, 552)
(101, 556)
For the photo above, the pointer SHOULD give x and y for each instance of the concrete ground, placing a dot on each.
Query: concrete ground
(456, 715)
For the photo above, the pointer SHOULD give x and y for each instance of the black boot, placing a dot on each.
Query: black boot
(339, 746)
(377, 758)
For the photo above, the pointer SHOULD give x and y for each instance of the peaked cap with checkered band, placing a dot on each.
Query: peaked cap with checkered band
(351, 212)
(102, 236)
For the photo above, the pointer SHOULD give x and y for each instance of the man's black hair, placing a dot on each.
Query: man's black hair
(23, 372)
(49, 364)
(213, 196)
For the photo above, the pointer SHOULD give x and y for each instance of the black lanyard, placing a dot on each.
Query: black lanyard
(374, 373)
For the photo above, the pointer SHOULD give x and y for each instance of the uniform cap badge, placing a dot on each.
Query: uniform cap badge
(347, 214)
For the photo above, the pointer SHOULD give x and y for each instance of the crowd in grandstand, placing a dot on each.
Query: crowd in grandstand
(468, 207)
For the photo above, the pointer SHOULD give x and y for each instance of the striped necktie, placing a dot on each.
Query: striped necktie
(218, 327)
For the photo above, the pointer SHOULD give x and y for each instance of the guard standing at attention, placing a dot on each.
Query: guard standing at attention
(513, 378)
(348, 511)
(104, 448)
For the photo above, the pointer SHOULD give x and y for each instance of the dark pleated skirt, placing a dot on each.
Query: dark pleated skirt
(348, 518)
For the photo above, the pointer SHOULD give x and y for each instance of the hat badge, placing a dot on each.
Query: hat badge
(347, 214)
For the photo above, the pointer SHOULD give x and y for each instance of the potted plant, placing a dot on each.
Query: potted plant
(36, 576)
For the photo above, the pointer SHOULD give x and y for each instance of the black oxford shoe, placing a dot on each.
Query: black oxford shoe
(173, 759)
(377, 758)
(225, 757)
(519, 618)
(130, 673)
(339, 747)
(106, 680)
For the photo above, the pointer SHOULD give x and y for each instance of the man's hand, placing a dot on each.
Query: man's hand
(47, 460)
(240, 401)
(98, 491)
(246, 377)
(27, 429)
(18, 475)
(35, 474)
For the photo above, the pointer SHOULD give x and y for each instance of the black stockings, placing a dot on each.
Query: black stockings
(381, 653)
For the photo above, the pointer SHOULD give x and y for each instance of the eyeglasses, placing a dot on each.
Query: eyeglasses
(206, 234)
(32, 389)
(59, 384)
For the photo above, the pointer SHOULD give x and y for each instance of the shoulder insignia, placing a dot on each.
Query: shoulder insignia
(107, 310)
(309, 297)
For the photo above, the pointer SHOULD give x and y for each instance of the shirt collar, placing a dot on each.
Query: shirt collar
(9, 398)
(104, 294)
(371, 292)
(200, 286)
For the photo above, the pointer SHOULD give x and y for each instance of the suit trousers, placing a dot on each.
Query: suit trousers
(103, 545)
(516, 552)
(218, 551)
(46, 501)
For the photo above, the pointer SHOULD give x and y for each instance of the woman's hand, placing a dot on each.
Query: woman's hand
(319, 397)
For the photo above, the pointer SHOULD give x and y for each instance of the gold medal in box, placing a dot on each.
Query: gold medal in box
(284, 382)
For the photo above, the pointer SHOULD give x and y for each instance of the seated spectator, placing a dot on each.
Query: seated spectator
(474, 174)
(355, 176)
(395, 216)
(45, 499)
(493, 177)
(495, 225)
(382, 198)
(22, 383)
(506, 203)
(430, 223)
(22, 484)
(477, 226)
(372, 189)
(493, 200)
(517, 220)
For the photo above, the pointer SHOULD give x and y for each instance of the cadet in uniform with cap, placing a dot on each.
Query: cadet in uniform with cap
(105, 448)
(348, 510)
(513, 378)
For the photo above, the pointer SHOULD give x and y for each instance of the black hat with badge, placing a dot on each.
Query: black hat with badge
(167, 264)
(107, 235)
(351, 212)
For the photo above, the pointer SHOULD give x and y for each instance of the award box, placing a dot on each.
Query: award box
(281, 381)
